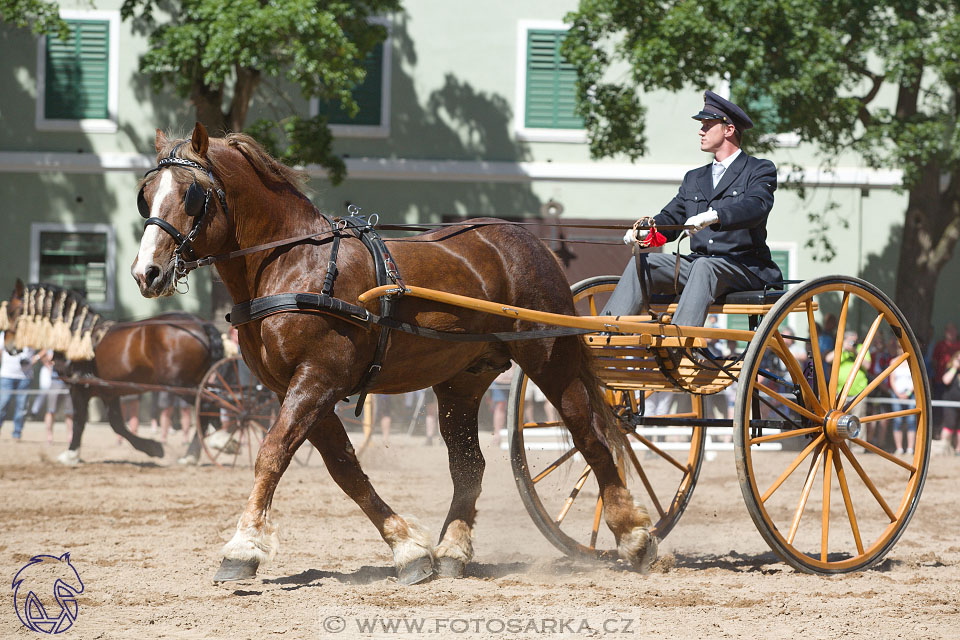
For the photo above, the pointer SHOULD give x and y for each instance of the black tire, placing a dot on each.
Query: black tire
(776, 496)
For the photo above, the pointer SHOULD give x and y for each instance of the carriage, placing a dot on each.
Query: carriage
(784, 416)
(459, 303)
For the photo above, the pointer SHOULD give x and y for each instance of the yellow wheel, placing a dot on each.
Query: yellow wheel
(823, 497)
(554, 481)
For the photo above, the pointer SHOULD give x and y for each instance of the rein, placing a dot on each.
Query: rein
(190, 265)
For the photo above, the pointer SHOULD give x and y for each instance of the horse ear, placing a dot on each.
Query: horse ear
(18, 290)
(200, 140)
(65, 557)
(160, 142)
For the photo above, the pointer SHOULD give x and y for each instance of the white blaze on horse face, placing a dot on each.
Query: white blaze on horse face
(151, 234)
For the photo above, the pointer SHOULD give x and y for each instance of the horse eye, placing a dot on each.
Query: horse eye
(142, 205)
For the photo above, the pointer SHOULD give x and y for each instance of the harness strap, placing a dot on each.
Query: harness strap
(259, 308)
(386, 271)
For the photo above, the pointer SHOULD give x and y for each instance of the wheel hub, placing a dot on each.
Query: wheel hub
(839, 426)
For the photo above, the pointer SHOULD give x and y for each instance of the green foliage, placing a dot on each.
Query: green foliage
(206, 49)
(40, 16)
(308, 140)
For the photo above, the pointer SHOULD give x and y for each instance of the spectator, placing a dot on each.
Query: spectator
(827, 334)
(16, 373)
(880, 356)
(848, 355)
(901, 384)
(383, 404)
(498, 397)
(166, 402)
(943, 351)
(951, 383)
(48, 402)
(534, 396)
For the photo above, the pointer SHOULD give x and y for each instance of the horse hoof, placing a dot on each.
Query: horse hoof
(153, 449)
(420, 570)
(450, 568)
(231, 569)
(69, 458)
(188, 460)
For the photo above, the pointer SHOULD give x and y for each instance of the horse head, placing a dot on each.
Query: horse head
(185, 201)
(179, 199)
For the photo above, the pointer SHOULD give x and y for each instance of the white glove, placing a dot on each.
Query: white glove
(630, 236)
(701, 221)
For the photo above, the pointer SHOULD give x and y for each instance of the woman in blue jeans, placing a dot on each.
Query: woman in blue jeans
(16, 373)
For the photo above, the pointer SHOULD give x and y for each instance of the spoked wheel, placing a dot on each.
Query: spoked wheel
(554, 481)
(825, 499)
(231, 396)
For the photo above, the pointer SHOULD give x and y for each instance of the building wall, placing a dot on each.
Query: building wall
(452, 149)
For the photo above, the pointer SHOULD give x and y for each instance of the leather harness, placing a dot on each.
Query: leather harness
(387, 273)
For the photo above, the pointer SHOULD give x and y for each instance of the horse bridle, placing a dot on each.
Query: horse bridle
(196, 203)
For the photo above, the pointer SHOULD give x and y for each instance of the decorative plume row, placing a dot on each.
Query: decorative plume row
(53, 318)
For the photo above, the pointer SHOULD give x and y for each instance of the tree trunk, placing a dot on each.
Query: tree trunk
(930, 232)
(247, 82)
(207, 101)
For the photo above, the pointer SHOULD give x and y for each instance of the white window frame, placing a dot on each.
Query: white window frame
(88, 125)
(381, 130)
(36, 228)
(537, 134)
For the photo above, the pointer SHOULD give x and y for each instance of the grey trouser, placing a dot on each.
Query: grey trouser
(701, 281)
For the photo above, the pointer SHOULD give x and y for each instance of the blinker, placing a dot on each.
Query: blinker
(193, 201)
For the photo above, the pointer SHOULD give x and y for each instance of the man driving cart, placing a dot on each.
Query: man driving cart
(724, 206)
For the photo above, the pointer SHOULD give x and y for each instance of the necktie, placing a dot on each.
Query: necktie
(718, 170)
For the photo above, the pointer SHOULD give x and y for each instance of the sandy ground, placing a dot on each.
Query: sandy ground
(144, 537)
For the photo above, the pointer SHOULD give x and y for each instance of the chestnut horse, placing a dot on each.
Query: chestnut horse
(171, 349)
(313, 360)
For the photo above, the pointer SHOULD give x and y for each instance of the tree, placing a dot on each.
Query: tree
(219, 55)
(40, 16)
(879, 79)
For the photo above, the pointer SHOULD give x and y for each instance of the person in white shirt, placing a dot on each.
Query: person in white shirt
(16, 373)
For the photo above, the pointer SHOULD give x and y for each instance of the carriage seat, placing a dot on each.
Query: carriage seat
(756, 302)
(760, 296)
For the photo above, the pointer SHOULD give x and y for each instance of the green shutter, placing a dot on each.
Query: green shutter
(77, 72)
(368, 94)
(782, 258)
(551, 84)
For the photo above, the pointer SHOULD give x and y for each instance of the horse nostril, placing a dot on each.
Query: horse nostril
(152, 274)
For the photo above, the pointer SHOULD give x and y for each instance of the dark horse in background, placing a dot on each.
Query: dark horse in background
(211, 197)
(171, 349)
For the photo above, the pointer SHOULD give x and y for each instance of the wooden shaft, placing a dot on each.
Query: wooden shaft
(594, 323)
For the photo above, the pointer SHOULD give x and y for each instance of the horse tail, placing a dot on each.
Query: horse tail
(607, 422)
(214, 342)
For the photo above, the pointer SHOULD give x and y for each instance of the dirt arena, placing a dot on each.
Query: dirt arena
(144, 537)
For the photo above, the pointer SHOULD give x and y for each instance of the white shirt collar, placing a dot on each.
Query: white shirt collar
(729, 159)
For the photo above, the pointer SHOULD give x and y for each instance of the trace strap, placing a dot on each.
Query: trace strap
(259, 308)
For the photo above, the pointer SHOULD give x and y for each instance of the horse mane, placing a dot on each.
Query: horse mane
(267, 167)
(270, 170)
(60, 319)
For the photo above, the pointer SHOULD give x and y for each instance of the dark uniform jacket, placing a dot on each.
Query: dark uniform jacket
(743, 199)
